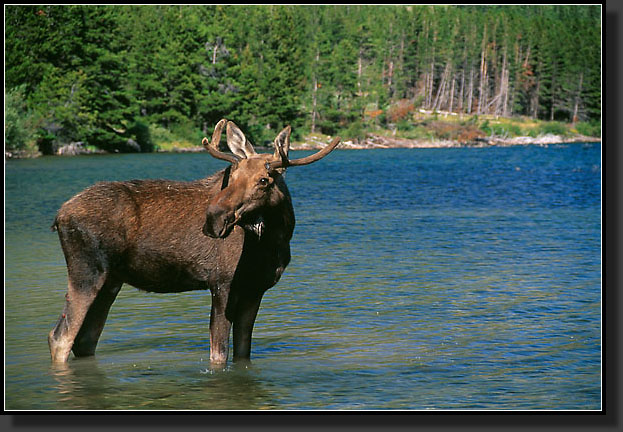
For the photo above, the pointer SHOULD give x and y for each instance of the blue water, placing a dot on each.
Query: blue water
(447, 279)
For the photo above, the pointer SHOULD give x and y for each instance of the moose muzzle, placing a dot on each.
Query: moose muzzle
(219, 221)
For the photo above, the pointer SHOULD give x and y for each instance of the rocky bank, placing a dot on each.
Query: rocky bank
(373, 141)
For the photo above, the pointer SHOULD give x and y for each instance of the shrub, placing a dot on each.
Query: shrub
(399, 110)
(592, 129)
(469, 134)
(554, 128)
(18, 130)
(354, 130)
(504, 130)
(485, 127)
(473, 120)
(404, 125)
(186, 131)
(140, 132)
(161, 137)
(416, 132)
(108, 141)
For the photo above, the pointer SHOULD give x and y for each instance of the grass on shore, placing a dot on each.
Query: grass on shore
(468, 127)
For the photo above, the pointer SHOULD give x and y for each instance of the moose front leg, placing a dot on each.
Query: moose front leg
(220, 327)
(246, 312)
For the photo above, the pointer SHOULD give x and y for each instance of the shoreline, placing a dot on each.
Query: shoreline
(372, 141)
(383, 142)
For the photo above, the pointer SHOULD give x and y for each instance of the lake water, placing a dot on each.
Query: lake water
(444, 279)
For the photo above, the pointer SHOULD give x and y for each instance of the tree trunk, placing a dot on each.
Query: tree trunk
(552, 101)
(431, 79)
(400, 66)
(359, 71)
(483, 73)
(390, 76)
(451, 103)
(214, 53)
(501, 98)
(470, 91)
(314, 96)
(534, 102)
(432, 71)
(461, 91)
(576, 105)
(442, 87)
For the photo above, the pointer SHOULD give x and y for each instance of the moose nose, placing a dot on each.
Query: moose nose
(218, 221)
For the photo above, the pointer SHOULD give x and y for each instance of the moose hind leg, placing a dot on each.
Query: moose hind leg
(93, 324)
(78, 300)
(87, 273)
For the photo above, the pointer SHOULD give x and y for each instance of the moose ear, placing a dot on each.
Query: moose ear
(283, 141)
(237, 142)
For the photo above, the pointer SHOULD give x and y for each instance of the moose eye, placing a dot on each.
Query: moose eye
(263, 181)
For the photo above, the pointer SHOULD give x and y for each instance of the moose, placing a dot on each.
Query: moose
(228, 233)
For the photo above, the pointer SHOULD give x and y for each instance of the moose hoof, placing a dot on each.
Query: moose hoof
(218, 359)
(58, 350)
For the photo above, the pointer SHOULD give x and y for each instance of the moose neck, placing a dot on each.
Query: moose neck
(275, 223)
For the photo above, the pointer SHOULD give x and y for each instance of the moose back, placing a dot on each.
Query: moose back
(228, 233)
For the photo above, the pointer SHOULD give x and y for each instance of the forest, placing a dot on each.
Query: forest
(129, 78)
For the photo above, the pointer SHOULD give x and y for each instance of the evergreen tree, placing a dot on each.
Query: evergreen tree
(113, 75)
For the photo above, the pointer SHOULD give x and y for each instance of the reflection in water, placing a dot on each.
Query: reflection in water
(81, 384)
(235, 387)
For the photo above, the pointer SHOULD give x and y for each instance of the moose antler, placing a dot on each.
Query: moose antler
(212, 147)
(286, 162)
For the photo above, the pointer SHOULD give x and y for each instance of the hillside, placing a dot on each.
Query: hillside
(146, 78)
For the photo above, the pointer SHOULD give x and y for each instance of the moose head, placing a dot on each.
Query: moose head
(254, 183)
